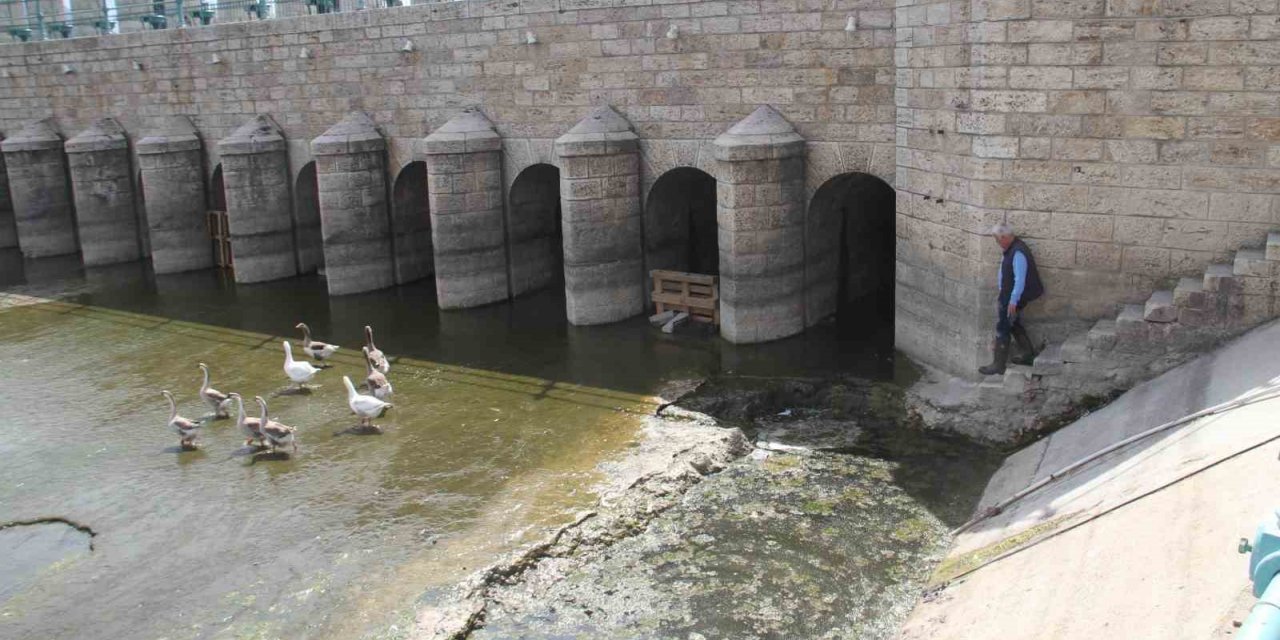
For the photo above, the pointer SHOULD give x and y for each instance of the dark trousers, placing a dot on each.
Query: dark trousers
(1005, 325)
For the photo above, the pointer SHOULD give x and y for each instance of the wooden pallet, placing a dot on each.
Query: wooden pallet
(220, 233)
(694, 293)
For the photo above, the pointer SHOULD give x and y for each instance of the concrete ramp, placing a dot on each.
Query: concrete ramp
(1140, 544)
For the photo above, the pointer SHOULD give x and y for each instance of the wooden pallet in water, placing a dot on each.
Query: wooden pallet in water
(694, 293)
(220, 233)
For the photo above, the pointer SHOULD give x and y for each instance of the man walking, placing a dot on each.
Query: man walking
(1019, 286)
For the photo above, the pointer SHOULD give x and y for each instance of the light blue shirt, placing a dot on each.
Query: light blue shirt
(1019, 277)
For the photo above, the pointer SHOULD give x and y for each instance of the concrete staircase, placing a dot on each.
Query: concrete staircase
(1147, 339)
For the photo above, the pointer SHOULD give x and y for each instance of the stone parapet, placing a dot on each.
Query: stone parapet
(600, 205)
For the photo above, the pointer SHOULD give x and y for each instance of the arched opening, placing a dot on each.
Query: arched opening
(680, 228)
(850, 256)
(533, 230)
(306, 220)
(217, 190)
(411, 224)
(140, 209)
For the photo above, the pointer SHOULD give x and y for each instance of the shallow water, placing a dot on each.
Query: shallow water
(502, 415)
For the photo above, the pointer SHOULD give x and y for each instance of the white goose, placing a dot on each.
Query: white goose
(216, 399)
(314, 348)
(274, 433)
(367, 407)
(185, 428)
(249, 426)
(375, 354)
(375, 380)
(299, 372)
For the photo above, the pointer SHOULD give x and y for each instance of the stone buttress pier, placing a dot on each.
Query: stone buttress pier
(38, 184)
(761, 220)
(354, 218)
(8, 232)
(169, 159)
(464, 189)
(255, 171)
(600, 205)
(102, 186)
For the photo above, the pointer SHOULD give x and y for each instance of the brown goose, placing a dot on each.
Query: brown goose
(274, 433)
(186, 428)
(376, 381)
(374, 353)
(314, 348)
(216, 399)
(249, 426)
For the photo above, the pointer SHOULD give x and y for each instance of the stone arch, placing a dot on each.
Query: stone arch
(306, 220)
(411, 223)
(534, 235)
(850, 253)
(140, 208)
(217, 190)
(680, 230)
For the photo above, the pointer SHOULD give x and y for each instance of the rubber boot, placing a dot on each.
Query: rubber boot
(999, 359)
(1026, 350)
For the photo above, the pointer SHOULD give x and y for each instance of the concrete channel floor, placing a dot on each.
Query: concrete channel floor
(1142, 543)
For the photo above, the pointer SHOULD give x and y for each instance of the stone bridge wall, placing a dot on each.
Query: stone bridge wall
(1131, 141)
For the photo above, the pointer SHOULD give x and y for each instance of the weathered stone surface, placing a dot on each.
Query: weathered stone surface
(102, 184)
(255, 170)
(169, 159)
(354, 216)
(761, 216)
(600, 205)
(40, 190)
(464, 186)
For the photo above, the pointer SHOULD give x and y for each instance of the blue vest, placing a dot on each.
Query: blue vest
(1032, 289)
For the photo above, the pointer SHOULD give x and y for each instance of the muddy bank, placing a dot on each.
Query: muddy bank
(764, 508)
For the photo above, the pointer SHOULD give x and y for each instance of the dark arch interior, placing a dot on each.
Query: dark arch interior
(852, 249)
(217, 191)
(306, 220)
(140, 206)
(534, 234)
(411, 224)
(680, 222)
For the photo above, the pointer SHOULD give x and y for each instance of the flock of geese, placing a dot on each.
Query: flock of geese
(266, 433)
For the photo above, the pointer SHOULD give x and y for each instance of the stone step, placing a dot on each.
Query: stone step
(1219, 278)
(1273, 245)
(1189, 293)
(1102, 337)
(1076, 348)
(1251, 263)
(1048, 361)
(1159, 308)
(1131, 325)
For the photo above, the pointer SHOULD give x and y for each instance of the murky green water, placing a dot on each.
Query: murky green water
(502, 415)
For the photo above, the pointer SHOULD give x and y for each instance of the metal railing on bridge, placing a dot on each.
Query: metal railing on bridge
(28, 20)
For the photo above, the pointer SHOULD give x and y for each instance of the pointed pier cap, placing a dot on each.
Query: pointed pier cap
(175, 133)
(35, 136)
(259, 135)
(104, 135)
(763, 135)
(467, 132)
(355, 133)
(603, 132)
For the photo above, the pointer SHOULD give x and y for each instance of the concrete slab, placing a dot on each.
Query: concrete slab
(1143, 539)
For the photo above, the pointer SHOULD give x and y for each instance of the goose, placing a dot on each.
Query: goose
(250, 426)
(375, 354)
(367, 407)
(314, 348)
(185, 428)
(274, 433)
(299, 372)
(375, 380)
(216, 399)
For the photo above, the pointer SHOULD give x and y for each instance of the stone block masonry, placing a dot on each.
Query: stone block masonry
(169, 160)
(255, 169)
(102, 183)
(40, 191)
